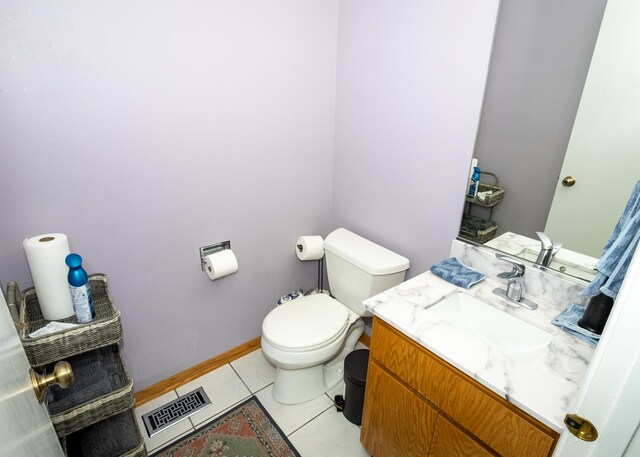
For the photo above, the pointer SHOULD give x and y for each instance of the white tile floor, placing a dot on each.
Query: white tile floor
(315, 428)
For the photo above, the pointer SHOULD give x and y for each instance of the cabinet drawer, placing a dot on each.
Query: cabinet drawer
(395, 422)
(500, 425)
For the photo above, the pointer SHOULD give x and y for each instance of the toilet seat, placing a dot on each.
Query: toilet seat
(306, 324)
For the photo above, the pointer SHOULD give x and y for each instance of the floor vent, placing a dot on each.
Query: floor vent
(173, 412)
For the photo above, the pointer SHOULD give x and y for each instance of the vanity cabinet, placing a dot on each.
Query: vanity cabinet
(416, 400)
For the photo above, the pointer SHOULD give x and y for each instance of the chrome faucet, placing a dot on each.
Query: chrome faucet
(515, 283)
(548, 249)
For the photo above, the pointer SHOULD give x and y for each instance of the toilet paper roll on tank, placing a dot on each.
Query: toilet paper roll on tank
(221, 264)
(310, 247)
(45, 256)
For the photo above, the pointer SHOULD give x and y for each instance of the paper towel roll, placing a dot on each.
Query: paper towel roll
(221, 263)
(45, 256)
(310, 247)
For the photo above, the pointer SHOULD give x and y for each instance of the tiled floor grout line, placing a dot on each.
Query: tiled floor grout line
(311, 420)
(260, 390)
(241, 380)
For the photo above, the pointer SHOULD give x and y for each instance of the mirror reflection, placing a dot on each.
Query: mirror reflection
(556, 207)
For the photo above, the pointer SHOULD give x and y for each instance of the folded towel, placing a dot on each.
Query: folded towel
(472, 225)
(93, 380)
(568, 319)
(80, 396)
(84, 376)
(113, 436)
(616, 256)
(454, 272)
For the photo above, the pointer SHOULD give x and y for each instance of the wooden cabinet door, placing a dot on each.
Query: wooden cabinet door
(450, 441)
(396, 421)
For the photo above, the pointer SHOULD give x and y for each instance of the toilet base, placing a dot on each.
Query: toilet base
(298, 386)
(293, 386)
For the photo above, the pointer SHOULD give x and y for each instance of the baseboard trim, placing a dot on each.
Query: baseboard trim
(167, 385)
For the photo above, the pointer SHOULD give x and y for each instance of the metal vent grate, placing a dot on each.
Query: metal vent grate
(173, 412)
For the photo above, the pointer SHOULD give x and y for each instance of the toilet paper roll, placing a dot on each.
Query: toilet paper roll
(310, 247)
(45, 256)
(221, 263)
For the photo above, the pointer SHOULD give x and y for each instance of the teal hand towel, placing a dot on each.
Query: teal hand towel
(568, 319)
(454, 272)
(618, 252)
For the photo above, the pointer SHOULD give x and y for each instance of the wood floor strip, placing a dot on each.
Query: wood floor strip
(167, 385)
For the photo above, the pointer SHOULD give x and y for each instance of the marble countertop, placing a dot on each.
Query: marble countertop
(544, 383)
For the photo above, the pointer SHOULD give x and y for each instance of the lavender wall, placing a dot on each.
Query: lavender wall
(144, 130)
(409, 92)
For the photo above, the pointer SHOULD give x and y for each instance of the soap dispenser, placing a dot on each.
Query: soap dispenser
(596, 314)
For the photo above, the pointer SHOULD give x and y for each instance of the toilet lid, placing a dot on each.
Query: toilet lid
(306, 323)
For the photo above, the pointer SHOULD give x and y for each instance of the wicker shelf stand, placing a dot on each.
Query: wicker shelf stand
(82, 347)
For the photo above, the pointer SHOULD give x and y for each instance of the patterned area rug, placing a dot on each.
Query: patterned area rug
(245, 431)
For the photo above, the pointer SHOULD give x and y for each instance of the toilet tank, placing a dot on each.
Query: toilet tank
(358, 269)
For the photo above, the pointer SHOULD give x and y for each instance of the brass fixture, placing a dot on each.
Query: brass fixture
(581, 427)
(568, 181)
(62, 375)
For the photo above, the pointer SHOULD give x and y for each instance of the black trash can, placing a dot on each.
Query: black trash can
(355, 378)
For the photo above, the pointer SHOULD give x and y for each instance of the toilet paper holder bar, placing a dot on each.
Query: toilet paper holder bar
(210, 249)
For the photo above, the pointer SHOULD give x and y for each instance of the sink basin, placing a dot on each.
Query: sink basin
(465, 314)
(562, 265)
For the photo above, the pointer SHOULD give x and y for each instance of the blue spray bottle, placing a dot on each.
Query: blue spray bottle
(80, 290)
(473, 184)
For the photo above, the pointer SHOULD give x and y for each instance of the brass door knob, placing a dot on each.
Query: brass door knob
(568, 181)
(581, 427)
(62, 375)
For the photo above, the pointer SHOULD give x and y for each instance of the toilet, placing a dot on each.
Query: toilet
(307, 339)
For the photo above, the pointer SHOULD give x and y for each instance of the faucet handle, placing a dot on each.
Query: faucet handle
(515, 289)
(545, 241)
(517, 268)
(548, 249)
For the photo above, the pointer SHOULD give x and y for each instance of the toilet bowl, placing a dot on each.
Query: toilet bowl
(307, 339)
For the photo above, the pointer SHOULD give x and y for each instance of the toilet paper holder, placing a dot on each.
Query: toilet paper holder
(211, 249)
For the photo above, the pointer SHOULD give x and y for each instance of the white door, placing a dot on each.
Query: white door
(604, 150)
(25, 427)
(606, 127)
(610, 394)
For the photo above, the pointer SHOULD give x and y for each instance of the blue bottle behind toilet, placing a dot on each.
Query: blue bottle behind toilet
(80, 290)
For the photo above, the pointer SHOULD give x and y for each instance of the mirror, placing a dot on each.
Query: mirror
(535, 86)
